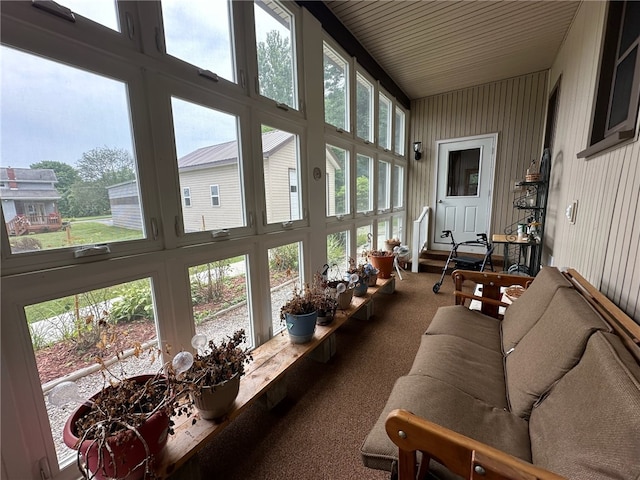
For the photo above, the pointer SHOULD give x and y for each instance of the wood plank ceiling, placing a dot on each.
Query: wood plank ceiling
(431, 47)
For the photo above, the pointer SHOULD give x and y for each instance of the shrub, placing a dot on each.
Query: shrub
(284, 258)
(134, 302)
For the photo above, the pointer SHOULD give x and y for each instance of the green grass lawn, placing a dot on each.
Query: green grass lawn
(84, 233)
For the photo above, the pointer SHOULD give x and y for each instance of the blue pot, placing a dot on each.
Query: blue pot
(301, 327)
(361, 288)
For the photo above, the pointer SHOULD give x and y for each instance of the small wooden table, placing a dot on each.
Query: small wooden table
(526, 251)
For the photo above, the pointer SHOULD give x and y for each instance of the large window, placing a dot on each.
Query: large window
(398, 186)
(398, 143)
(338, 252)
(336, 89)
(67, 158)
(199, 32)
(364, 108)
(385, 110)
(618, 91)
(364, 183)
(275, 37)
(103, 12)
(284, 275)
(337, 168)
(384, 185)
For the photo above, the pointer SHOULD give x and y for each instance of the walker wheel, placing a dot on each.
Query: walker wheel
(436, 288)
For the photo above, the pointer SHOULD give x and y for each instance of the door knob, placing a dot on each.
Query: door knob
(439, 201)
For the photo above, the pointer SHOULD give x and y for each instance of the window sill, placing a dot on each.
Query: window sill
(611, 141)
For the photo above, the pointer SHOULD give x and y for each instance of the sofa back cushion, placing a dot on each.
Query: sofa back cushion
(588, 426)
(527, 310)
(550, 349)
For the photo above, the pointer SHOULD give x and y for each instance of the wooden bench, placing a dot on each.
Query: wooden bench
(262, 379)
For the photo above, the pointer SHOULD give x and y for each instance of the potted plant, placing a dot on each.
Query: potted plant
(326, 300)
(362, 273)
(300, 313)
(120, 430)
(382, 260)
(213, 380)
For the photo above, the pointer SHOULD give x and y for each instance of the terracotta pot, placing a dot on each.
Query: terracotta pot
(127, 449)
(384, 265)
(215, 401)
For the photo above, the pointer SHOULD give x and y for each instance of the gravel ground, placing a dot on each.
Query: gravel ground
(218, 329)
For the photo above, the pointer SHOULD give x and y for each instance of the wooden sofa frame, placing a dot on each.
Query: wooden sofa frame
(465, 456)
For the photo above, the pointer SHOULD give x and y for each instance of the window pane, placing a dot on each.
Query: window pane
(364, 241)
(337, 181)
(384, 122)
(398, 186)
(281, 175)
(396, 228)
(462, 172)
(284, 274)
(364, 108)
(199, 32)
(219, 298)
(104, 12)
(336, 93)
(622, 87)
(338, 252)
(383, 233)
(68, 170)
(399, 132)
(364, 183)
(69, 333)
(276, 54)
(208, 164)
(384, 183)
(630, 26)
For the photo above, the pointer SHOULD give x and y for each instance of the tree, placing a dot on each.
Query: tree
(98, 169)
(334, 94)
(275, 68)
(66, 175)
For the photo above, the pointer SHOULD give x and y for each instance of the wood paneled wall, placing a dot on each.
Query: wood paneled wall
(514, 108)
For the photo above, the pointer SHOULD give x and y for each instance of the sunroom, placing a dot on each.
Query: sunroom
(207, 157)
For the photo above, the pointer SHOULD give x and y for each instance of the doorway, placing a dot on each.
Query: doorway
(465, 175)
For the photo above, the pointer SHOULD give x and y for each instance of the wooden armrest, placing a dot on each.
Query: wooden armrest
(462, 455)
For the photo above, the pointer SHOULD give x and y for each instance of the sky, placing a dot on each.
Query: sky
(50, 111)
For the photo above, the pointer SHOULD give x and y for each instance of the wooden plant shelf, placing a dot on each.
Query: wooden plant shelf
(271, 361)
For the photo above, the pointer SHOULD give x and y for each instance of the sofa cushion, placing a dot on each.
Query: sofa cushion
(449, 407)
(463, 364)
(527, 310)
(588, 427)
(550, 349)
(471, 325)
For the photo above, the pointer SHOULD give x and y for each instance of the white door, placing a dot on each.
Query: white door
(463, 194)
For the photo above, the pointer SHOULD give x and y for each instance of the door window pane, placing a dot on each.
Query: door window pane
(68, 334)
(337, 169)
(462, 172)
(364, 183)
(399, 132)
(208, 164)
(384, 184)
(384, 122)
(364, 108)
(281, 164)
(338, 252)
(199, 32)
(336, 92)
(363, 239)
(276, 52)
(219, 298)
(104, 12)
(398, 186)
(284, 274)
(68, 167)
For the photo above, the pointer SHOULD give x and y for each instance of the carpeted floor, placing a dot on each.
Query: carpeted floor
(317, 431)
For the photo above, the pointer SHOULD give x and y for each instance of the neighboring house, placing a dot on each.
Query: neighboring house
(29, 200)
(212, 192)
(125, 205)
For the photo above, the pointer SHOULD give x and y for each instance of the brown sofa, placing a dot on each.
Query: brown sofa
(554, 386)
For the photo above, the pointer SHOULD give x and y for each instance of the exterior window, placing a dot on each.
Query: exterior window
(363, 239)
(281, 164)
(215, 195)
(396, 227)
(383, 233)
(384, 183)
(68, 333)
(73, 154)
(337, 168)
(276, 52)
(364, 108)
(618, 91)
(199, 33)
(219, 298)
(399, 132)
(364, 183)
(398, 186)
(186, 195)
(103, 12)
(284, 272)
(384, 122)
(336, 91)
(338, 252)
(207, 149)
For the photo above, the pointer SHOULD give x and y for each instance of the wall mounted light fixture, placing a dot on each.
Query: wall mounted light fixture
(416, 148)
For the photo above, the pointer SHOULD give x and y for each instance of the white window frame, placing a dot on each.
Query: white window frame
(216, 196)
(349, 100)
(186, 196)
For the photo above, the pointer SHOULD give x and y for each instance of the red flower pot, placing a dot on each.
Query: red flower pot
(127, 449)
(384, 264)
